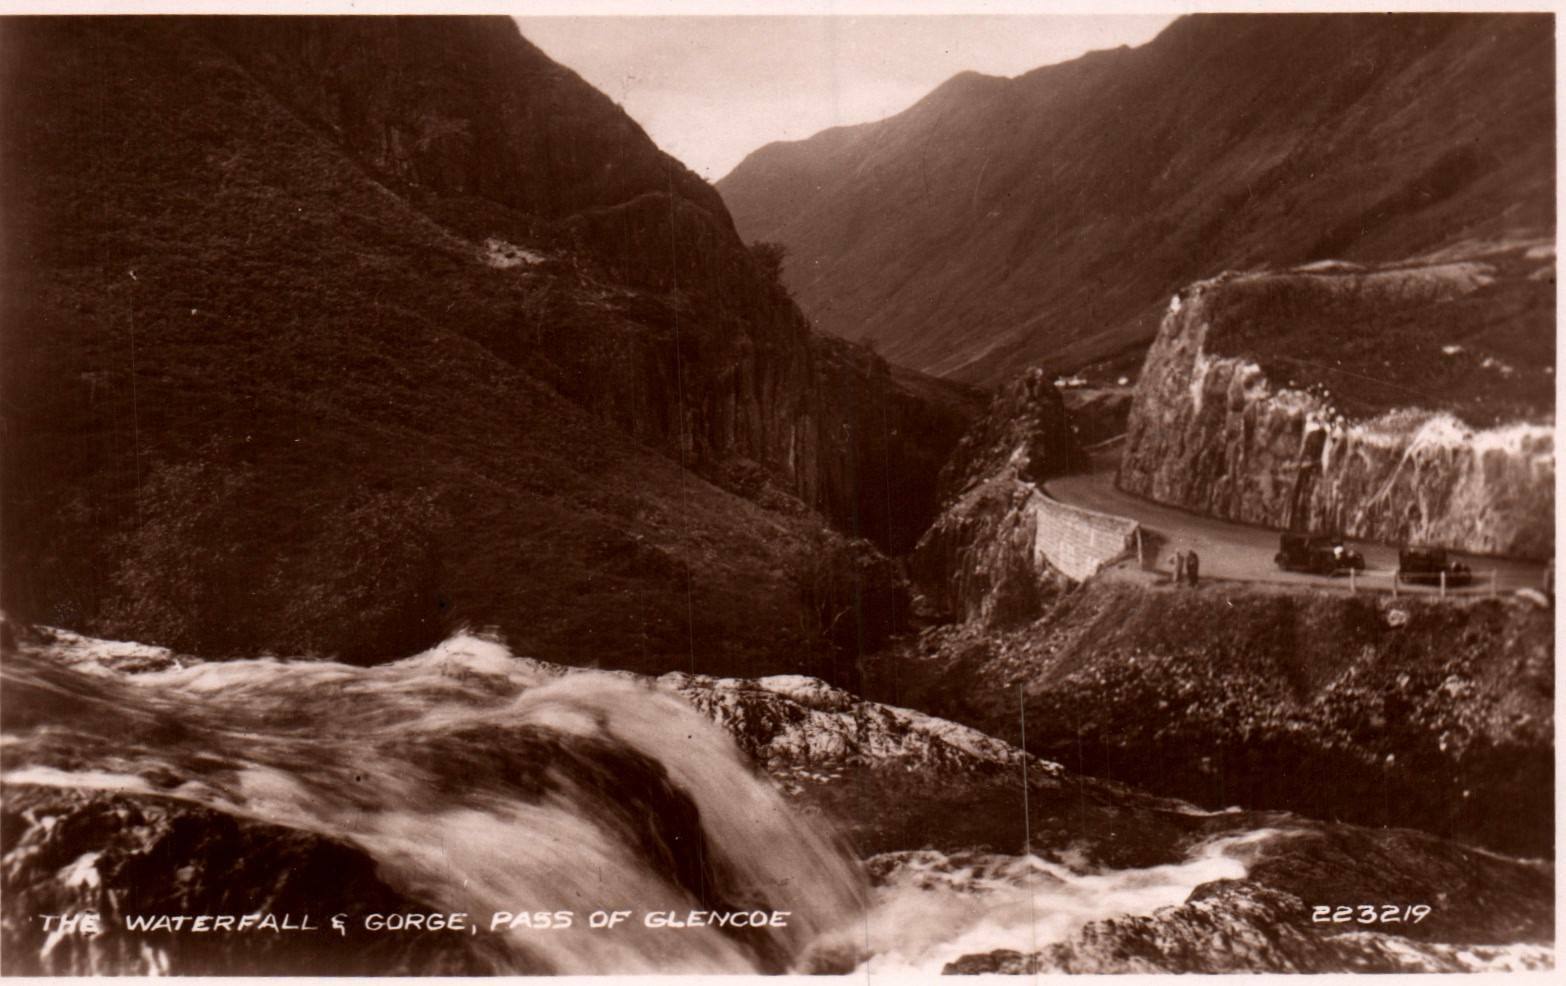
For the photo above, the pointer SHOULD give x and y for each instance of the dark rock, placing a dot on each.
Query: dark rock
(1268, 699)
(70, 852)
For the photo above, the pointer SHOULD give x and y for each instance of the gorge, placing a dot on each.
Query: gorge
(423, 497)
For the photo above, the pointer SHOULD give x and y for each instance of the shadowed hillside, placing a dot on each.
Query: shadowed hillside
(331, 335)
(1046, 219)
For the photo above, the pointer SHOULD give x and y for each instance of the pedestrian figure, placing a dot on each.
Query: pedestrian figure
(1179, 566)
(1193, 566)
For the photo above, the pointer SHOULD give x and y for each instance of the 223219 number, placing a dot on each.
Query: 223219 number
(1369, 913)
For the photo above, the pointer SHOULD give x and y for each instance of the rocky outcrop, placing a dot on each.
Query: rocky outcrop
(1261, 931)
(1024, 432)
(982, 558)
(120, 856)
(1213, 428)
(1273, 919)
(1378, 711)
(789, 723)
(1000, 544)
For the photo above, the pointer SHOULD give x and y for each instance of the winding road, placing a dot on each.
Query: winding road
(1229, 550)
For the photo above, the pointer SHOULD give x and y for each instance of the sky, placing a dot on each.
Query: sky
(710, 90)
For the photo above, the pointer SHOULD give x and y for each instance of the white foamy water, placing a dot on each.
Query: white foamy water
(479, 782)
(931, 908)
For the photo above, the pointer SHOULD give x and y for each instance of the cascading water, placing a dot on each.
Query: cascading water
(933, 908)
(468, 781)
(478, 782)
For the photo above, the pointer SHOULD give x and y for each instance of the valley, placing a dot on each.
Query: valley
(424, 495)
(1046, 219)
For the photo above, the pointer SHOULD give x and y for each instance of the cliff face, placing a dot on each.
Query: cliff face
(1213, 428)
(334, 335)
(1001, 224)
(456, 111)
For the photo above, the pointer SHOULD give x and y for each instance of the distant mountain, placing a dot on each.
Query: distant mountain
(333, 335)
(1047, 219)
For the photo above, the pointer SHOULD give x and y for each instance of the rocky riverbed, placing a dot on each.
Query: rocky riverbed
(468, 780)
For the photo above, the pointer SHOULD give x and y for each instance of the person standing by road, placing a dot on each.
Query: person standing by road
(1179, 567)
(1193, 566)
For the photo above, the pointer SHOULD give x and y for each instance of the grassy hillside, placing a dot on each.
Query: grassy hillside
(1046, 219)
(1470, 332)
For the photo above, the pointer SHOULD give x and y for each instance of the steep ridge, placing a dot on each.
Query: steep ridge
(462, 106)
(331, 335)
(1045, 219)
(1288, 399)
(474, 111)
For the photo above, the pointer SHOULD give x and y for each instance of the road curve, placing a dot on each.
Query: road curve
(1243, 552)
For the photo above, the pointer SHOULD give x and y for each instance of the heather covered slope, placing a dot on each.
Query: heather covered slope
(319, 338)
(1046, 219)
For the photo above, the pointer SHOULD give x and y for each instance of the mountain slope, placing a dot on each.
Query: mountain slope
(332, 335)
(1003, 223)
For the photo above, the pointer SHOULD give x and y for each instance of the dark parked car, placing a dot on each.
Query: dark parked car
(1316, 554)
(1423, 566)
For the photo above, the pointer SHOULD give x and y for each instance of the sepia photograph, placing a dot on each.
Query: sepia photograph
(838, 489)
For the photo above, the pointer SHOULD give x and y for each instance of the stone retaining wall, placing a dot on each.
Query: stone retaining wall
(1075, 541)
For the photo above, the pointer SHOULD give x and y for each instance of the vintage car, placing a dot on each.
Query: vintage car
(1423, 566)
(1316, 554)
